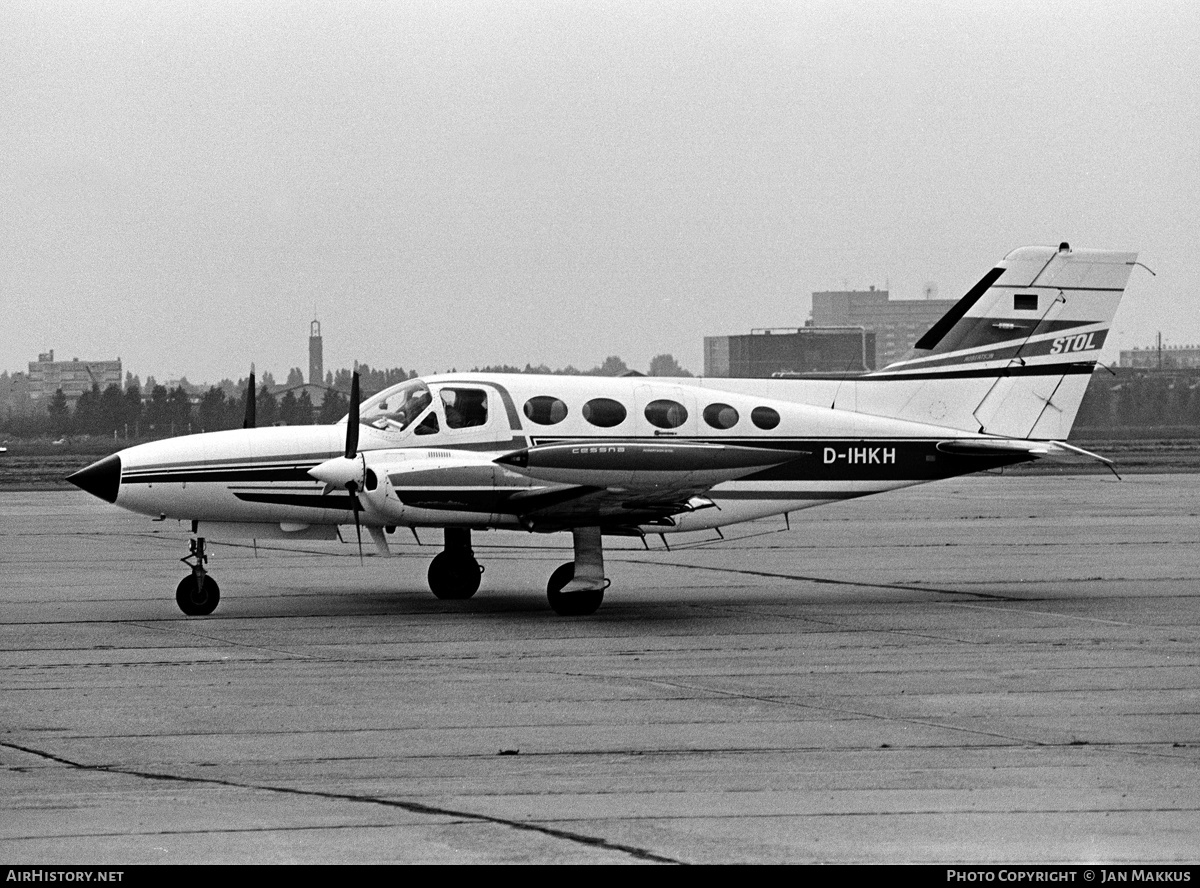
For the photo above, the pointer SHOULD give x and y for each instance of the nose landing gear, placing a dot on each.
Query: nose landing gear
(197, 594)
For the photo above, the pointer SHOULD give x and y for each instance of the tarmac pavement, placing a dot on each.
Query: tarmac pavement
(990, 669)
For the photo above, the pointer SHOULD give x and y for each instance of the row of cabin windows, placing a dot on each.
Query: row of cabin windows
(664, 414)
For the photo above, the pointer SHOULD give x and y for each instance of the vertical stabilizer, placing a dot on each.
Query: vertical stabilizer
(1013, 357)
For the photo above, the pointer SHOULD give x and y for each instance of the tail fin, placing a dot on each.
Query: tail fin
(1018, 350)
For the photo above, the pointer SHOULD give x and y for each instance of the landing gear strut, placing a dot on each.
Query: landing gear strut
(577, 587)
(454, 573)
(197, 594)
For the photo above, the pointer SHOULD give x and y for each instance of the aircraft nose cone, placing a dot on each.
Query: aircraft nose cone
(102, 479)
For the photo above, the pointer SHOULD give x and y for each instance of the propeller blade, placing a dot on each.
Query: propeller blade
(352, 420)
(251, 402)
(353, 488)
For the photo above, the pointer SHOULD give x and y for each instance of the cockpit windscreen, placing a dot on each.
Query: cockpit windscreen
(397, 407)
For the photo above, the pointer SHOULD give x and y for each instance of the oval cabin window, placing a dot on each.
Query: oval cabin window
(666, 414)
(721, 416)
(764, 417)
(604, 412)
(545, 410)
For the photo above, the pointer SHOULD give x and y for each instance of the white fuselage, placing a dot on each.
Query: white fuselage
(436, 466)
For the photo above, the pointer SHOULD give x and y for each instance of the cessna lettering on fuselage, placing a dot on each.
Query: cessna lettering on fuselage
(995, 382)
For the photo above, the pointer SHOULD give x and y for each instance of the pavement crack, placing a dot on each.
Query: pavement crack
(829, 707)
(411, 807)
(904, 587)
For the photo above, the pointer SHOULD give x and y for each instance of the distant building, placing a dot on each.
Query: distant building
(14, 393)
(1161, 357)
(768, 352)
(316, 392)
(896, 323)
(74, 377)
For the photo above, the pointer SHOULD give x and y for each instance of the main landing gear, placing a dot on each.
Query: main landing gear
(577, 587)
(197, 594)
(454, 573)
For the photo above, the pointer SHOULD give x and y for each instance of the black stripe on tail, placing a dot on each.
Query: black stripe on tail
(955, 314)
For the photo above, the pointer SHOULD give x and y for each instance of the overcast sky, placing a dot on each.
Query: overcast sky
(450, 184)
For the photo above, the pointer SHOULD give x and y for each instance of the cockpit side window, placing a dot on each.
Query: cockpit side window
(396, 408)
(464, 408)
(428, 426)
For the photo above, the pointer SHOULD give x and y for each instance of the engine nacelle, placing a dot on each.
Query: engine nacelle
(435, 487)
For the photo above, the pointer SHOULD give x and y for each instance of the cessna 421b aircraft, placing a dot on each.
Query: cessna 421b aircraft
(995, 382)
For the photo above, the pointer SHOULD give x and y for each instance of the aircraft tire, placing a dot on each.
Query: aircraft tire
(571, 604)
(197, 601)
(454, 578)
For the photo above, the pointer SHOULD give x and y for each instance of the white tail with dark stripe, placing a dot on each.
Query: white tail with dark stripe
(1013, 357)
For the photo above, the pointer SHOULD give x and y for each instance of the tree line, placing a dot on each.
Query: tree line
(1135, 401)
(165, 413)
(1128, 402)
(130, 412)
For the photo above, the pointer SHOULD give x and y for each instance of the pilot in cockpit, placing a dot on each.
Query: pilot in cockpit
(416, 405)
(399, 409)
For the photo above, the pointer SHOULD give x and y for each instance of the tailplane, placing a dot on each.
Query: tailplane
(1015, 354)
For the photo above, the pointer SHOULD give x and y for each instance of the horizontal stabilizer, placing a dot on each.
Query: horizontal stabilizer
(994, 447)
(1058, 451)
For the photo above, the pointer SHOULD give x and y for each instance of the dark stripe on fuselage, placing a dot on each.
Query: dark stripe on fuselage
(1075, 368)
(514, 443)
(282, 459)
(854, 459)
(857, 460)
(245, 474)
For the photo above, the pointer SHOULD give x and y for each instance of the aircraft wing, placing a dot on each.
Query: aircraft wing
(628, 482)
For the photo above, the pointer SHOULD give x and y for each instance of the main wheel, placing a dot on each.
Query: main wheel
(197, 599)
(453, 577)
(571, 604)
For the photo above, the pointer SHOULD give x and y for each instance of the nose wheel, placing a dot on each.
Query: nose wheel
(197, 594)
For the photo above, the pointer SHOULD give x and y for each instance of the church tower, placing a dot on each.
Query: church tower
(316, 359)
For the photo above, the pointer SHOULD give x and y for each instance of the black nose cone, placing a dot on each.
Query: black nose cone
(102, 479)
